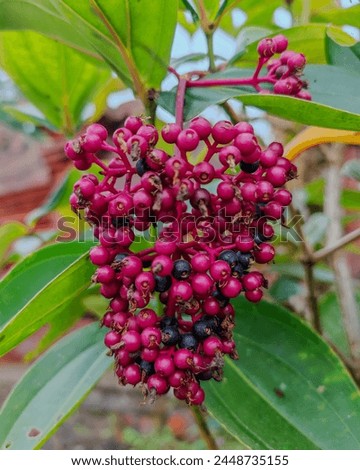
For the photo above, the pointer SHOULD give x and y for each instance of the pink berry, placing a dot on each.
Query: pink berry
(200, 262)
(232, 288)
(164, 365)
(183, 358)
(201, 284)
(133, 123)
(158, 383)
(201, 126)
(151, 337)
(266, 48)
(112, 339)
(170, 133)
(276, 176)
(187, 140)
(280, 43)
(265, 254)
(212, 345)
(254, 296)
(223, 132)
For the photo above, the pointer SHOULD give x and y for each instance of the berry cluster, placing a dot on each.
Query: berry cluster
(212, 222)
(286, 70)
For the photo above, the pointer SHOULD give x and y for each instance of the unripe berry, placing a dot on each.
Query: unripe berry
(280, 43)
(164, 365)
(170, 133)
(266, 48)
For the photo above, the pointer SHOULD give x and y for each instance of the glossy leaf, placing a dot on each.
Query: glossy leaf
(288, 390)
(339, 16)
(296, 270)
(58, 80)
(52, 389)
(331, 107)
(134, 38)
(342, 55)
(10, 232)
(39, 287)
(284, 288)
(332, 322)
(58, 199)
(308, 39)
(66, 318)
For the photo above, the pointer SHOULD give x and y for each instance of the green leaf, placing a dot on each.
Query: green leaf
(25, 116)
(58, 199)
(52, 389)
(331, 107)
(59, 81)
(339, 16)
(44, 17)
(39, 288)
(134, 38)
(59, 325)
(321, 273)
(343, 56)
(10, 232)
(314, 191)
(332, 322)
(284, 288)
(247, 36)
(351, 169)
(308, 39)
(288, 390)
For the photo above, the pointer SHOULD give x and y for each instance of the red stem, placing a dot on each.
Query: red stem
(180, 100)
(229, 82)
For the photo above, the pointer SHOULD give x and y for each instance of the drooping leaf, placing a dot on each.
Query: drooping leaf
(39, 287)
(58, 199)
(10, 232)
(312, 136)
(332, 106)
(52, 389)
(288, 390)
(332, 322)
(134, 38)
(284, 288)
(343, 55)
(58, 326)
(58, 80)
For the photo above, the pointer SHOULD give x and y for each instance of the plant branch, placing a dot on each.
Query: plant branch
(331, 249)
(210, 47)
(204, 428)
(308, 264)
(180, 101)
(229, 82)
(138, 85)
(343, 279)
